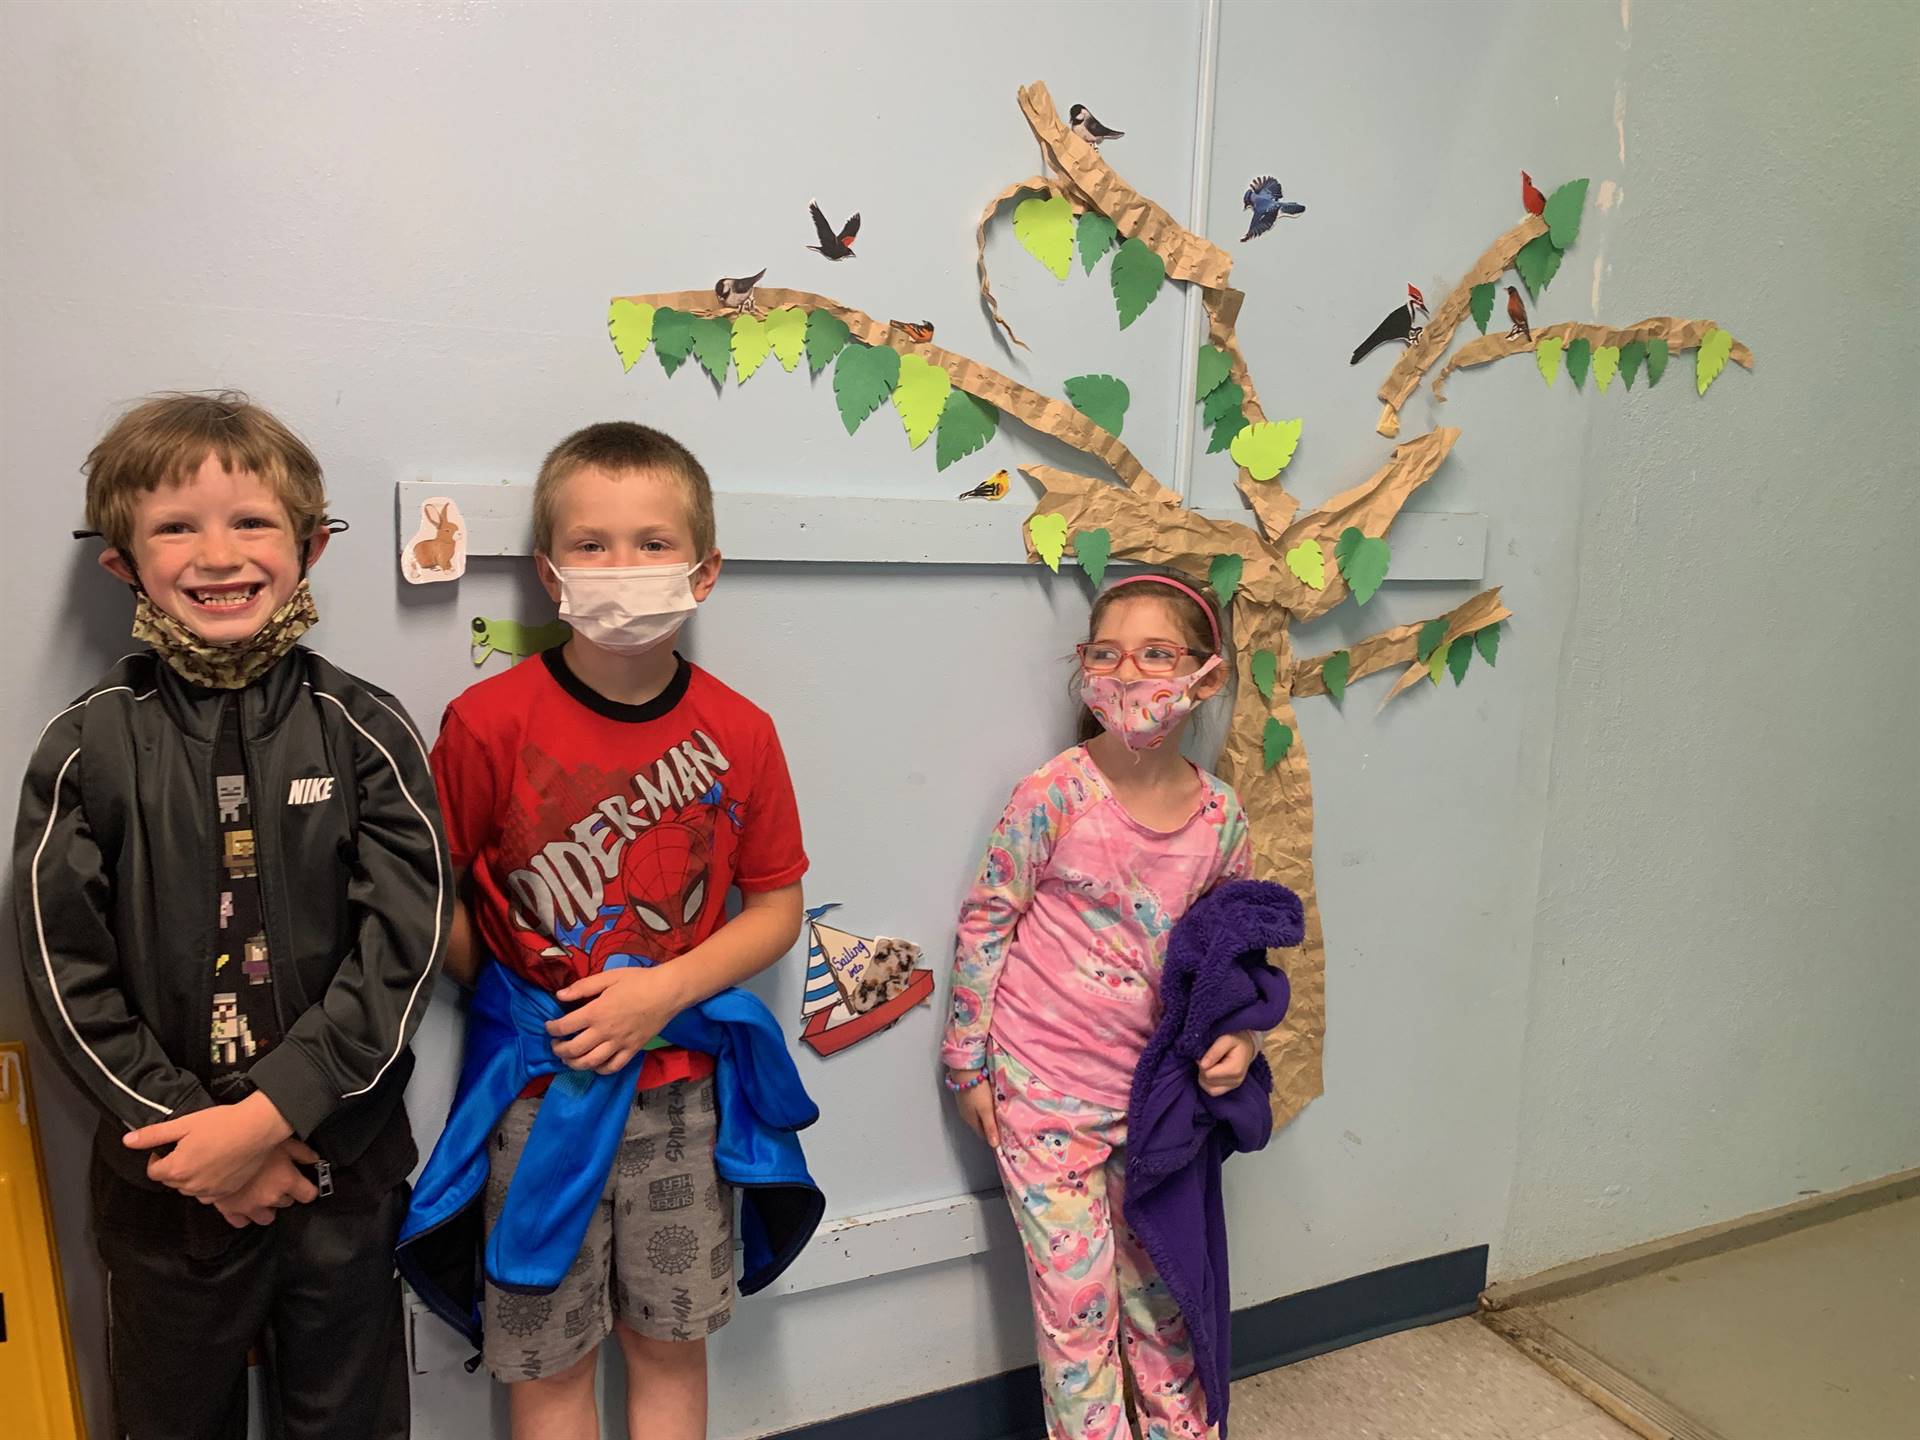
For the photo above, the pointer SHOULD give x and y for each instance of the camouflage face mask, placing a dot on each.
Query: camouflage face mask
(226, 667)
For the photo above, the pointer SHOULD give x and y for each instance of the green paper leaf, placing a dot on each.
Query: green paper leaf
(787, 333)
(1225, 429)
(1103, 399)
(1275, 742)
(1563, 213)
(672, 338)
(1049, 533)
(826, 334)
(1264, 450)
(1631, 354)
(1363, 562)
(713, 345)
(1579, 359)
(1266, 672)
(1215, 366)
(1546, 354)
(1334, 670)
(966, 424)
(1096, 234)
(1606, 360)
(1715, 346)
(1460, 657)
(1538, 262)
(1224, 576)
(1045, 228)
(1224, 401)
(863, 376)
(1436, 662)
(920, 395)
(1487, 642)
(751, 345)
(1480, 300)
(1091, 548)
(1658, 353)
(1431, 634)
(1136, 274)
(1309, 564)
(630, 323)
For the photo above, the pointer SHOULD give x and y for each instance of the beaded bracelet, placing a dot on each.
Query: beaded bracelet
(964, 1085)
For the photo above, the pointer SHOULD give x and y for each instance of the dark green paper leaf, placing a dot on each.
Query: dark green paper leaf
(1363, 563)
(863, 377)
(826, 333)
(965, 425)
(1334, 670)
(1091, 548)
(1103, 399)
(1538, 262)
(1225, 429)
(1563, 213)
(1224, 576)
(1431, 634)
(1266, 671)
(1579, 358)
(1275, 742)
(1137, 274)
(1225, 400)
(1480, 299)
(1487, 642)
(1215, 366)
(672, 338)
(1096, 234)
(1657, 356)
(713, 345)
(1631, 355)
(1459, 657)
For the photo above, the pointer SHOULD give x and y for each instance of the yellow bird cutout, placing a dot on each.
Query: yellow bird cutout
(994, 487)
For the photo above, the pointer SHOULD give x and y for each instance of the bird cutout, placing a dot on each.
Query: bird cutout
(737, 294)
(835, 245)
(1530, 195)
(1264, 199)
(1090, 129)
(994, 487)
(919, 332)
(1517, 313)
(1400, 325)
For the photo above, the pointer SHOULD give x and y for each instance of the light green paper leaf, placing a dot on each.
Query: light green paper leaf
(1658, 353)
(1096, 234)
(1103, 399)
(1480, 301)
(1546, 354)
(1538, 262)
(672, 338)
(1460, 657)
(826, 334)
(1437, 661)
(1487, 642)
(787, 333)
(713, 345)
(1215, 366)
(1334, 670)
(920, 395)
(751, 345)
(1579, 360)
(966, 424)
(1224, 401)
(1431, 634)
(1091, 548)
(863, 376)
(1363, 562)
(1275, 741)
(1264, 450)
(1715, 346)
(1136, 274)
(1606, 360)
(1309, 564)
(630, 323)
(1563, 213)
(1045, 228)
(1266, 672)
(1225, 429)
(1224, 576)
(1631, 356)
(1049, 533)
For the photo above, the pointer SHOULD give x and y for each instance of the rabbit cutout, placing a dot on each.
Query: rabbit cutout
(438, 550)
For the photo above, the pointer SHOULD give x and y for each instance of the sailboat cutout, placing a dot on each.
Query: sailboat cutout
(856, 986)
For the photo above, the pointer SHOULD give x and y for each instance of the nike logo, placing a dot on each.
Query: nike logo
(311, 790)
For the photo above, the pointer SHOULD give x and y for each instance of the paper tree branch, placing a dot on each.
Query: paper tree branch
(1679, 335)
(1037, 185)
(1400, 646)
(1272, 506)
(1408, 370)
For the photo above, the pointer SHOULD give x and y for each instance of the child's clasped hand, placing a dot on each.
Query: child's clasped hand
(622, 1010)
(1227, 1061)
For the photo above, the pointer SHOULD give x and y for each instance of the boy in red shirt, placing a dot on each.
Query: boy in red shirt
(601, 799)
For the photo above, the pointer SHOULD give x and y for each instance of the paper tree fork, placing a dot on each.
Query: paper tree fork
(1294, 566)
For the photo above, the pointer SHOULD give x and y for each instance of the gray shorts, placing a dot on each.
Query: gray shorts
(658, 1252)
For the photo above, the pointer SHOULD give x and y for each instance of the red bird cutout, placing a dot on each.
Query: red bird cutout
(1517, 313)
(919, 332)
(1530, 195)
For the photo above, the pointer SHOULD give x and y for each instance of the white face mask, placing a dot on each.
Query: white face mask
(626, 610)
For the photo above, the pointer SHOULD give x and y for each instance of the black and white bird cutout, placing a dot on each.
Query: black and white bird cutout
(834, 244)
(1400, 324)
(736, 294)
(1090, 129)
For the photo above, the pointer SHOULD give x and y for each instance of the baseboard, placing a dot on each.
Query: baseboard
(1294, 1327)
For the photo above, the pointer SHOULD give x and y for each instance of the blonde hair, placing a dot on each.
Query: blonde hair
(616, 446)
(165, 438)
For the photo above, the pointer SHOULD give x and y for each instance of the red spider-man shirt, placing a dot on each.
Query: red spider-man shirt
(593, 829)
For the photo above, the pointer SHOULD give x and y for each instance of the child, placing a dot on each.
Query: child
(601, 801)
(233, 893)
(1055, 994)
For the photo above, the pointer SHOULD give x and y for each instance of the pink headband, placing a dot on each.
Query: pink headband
(1183, 588)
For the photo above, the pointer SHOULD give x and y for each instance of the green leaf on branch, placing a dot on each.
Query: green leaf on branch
(1215, 366)
(1606, 360)
(1480, 301)
(1437, 661)
(1715, 346)
(1538, 262)
(1546, 354)
(1226, 428)
(1097, 234)
(1045, 228)
(826, 334)
(713, 346)
(1579, 358)
(1632, 355)
(1275, 741)
(751, 345)
(1224, 576)
(1092, 549)
(1363, 562)
(1487, 642)
(1264, 450)
(672, 338)
(863, 376)
(1266, 672)
(787, 333)
(966, 424)
(1460, 657)
(1137, 274)
(630, 323)
(1658, 353)
(1103, 399)
(1334, 670)
(1224, 401)
(920, 395)
(1431, 634)
(1049, 534)
(1563, 213)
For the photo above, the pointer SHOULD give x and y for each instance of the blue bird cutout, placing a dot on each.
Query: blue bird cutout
(1264, 200)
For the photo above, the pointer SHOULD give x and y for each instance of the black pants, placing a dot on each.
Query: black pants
(316, 1290)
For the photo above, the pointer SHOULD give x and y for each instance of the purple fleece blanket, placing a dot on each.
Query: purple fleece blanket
(1216, 981)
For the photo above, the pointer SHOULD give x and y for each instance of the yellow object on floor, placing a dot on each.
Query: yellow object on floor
(37, 1375)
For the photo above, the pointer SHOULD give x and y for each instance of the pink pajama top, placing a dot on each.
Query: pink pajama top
(1063, 935)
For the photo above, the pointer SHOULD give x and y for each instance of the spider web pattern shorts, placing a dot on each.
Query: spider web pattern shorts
(658, 1253)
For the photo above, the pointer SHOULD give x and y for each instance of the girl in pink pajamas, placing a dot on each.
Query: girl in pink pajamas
(1056, 990)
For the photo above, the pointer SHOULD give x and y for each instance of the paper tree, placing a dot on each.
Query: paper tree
(1294, 566)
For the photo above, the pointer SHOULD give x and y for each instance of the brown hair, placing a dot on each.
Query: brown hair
(615, 446)
(164, 439)
(1198, 625)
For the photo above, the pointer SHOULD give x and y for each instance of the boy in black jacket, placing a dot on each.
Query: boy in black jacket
(233, 895)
